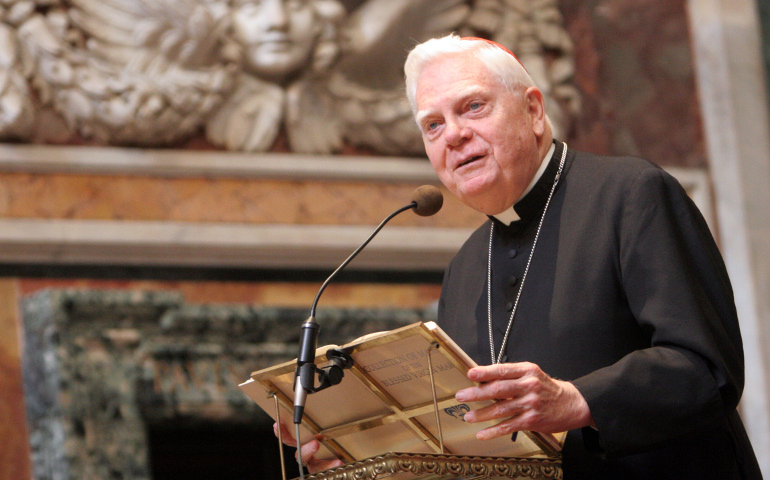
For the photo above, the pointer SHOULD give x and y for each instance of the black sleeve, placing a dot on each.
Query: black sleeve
(678, 290)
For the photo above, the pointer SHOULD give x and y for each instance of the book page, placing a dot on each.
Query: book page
(401, 367)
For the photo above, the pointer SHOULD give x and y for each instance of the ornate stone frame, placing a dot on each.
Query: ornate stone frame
(99, 366)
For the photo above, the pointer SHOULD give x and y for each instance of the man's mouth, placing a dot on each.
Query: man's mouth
(469, 160)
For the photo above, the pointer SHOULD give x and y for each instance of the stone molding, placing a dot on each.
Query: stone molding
(190, 163)
(113, 242)
(97, 242)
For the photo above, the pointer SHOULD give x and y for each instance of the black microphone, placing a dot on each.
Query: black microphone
(426, 201)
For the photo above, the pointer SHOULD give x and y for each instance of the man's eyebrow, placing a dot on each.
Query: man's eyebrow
(420, 116)
(469, 91)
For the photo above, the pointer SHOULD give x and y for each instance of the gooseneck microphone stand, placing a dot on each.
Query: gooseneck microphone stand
(308, 342)
(426, 201)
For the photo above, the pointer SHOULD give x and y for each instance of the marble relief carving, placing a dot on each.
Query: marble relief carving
(153, 73)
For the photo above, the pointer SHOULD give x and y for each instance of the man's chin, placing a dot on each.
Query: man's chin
(484, 202)
(476, 188)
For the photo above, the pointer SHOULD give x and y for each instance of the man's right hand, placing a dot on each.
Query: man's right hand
(307, 451)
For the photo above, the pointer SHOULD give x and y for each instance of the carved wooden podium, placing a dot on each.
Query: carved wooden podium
(394, 415)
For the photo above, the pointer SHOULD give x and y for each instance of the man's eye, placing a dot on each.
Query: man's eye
(432, 125)
(474, 106)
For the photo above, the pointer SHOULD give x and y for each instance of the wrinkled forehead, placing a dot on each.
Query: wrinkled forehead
(453, 79)
(453, 68)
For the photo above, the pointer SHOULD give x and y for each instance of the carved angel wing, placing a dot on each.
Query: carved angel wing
(362, 100)
(250, 118)
(16, 109)
(144, 72)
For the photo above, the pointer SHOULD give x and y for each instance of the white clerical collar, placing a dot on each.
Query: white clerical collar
(509, 215)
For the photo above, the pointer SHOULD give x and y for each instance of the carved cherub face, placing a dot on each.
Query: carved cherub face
(279, 36)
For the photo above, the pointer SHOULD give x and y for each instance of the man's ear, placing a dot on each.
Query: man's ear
(536, 109)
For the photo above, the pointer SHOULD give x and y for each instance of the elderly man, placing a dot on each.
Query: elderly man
(594, 294)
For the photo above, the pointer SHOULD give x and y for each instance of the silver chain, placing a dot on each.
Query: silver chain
(526, 269)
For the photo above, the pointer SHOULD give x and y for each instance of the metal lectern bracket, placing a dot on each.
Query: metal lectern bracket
(435, 346)
(280, 434)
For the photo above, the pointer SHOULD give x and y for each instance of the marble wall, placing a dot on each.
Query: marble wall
(635, 72)
(218, 200)
(14, 456)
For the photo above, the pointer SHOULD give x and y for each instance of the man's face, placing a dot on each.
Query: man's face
(481, 139)
(279, 35)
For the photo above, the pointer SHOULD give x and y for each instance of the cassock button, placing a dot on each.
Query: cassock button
(509, 306)
(512, 253)
(512, 281)
(504, 360)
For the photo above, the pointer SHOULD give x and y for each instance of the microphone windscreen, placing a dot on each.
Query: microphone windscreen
(428, 200)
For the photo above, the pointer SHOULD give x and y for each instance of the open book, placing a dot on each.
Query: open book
(385, 403)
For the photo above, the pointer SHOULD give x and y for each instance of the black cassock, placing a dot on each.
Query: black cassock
(627, 296)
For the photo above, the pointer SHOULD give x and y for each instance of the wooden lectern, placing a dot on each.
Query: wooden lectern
(394, 415)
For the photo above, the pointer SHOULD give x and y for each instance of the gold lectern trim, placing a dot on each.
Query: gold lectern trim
(407, 466)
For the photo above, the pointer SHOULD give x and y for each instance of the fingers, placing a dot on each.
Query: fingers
(500, 371)
(315, 466)
(501, 429)
(498, 410)
(534, 401)
(527, 399)
(502, 381)
(506, 428)
(499, 390)
(307, 451)
(286, 436)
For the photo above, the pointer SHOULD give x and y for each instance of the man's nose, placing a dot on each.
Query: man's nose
(456, 132)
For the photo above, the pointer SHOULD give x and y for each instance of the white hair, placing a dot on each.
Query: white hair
(501, 64)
